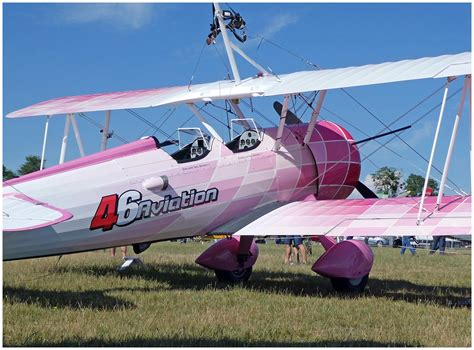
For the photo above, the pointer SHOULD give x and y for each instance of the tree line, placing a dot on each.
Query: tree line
(388, 181)
(32, 163)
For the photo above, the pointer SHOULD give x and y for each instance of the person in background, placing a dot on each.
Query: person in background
(297, 242)
(406, 244)
(122, 249)
(439, 242)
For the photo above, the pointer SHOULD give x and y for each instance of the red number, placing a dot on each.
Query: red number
(106, 215)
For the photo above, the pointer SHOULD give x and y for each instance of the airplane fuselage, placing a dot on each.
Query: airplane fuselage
(139, 193)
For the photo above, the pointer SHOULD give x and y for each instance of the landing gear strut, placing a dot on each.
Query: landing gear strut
(231, 258)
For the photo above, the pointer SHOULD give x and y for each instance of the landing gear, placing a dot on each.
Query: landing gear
(347, 264)
(231, 258)
(349, 285)
(236, 276)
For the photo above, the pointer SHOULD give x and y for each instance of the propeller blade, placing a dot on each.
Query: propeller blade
(365, 191)
(291, 118)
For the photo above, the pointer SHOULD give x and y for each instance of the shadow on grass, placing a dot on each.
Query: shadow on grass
(193, 277)
(95, 300)
(206, 342)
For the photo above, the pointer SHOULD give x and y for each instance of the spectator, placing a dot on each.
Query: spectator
(407, 244)
(439, 242)
(295, 242)
(122, 249)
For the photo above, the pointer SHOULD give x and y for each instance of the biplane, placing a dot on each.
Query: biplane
(293, 179)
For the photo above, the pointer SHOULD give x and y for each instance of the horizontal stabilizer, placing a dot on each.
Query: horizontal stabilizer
(366, 217)
(21, 213)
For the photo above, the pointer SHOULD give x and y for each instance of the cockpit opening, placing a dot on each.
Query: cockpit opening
(246, 135)
(193, 145)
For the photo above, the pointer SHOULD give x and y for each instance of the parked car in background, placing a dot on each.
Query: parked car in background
(397, 242)
(374, 241)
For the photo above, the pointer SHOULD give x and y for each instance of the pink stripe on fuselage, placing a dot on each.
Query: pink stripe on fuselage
(139, 146)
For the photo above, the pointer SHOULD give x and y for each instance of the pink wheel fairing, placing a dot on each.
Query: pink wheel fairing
(347, 259)
(222, 255)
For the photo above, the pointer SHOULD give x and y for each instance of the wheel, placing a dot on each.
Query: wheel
(347, 285)
(235, 276)
(379, 243)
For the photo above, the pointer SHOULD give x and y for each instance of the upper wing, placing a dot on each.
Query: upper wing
(21, 213)
(366, 217)
(293, 83)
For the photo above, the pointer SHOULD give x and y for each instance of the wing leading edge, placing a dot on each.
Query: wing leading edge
(365, 217)
(293, 83)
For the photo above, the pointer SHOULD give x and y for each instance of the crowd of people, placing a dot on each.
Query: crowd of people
(296, 251)
(439, 242)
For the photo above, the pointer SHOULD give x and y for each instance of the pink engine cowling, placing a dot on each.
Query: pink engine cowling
(337, 160)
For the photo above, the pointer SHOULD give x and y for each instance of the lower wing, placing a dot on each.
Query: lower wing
(366, 217)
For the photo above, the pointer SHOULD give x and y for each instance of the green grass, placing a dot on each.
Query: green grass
(84, 301)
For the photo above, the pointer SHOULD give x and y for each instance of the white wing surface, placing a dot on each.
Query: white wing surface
(365, 217)
(22, 213)
(299, 82)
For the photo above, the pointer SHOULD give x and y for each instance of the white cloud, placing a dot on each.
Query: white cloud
(278, 23)
(123, 15)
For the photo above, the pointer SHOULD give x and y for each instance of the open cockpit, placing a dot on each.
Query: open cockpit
(193, 145)
(246, 135)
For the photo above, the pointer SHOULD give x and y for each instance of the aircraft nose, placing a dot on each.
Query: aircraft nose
(337, 160)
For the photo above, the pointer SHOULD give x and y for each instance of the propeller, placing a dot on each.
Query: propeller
(291, 118)
(365, 191)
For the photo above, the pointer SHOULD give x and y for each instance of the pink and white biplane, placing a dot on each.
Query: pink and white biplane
(288, 180)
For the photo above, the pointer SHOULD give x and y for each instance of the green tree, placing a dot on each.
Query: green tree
(387, 180)
(414, 185)
(8, 174)
(31, 164)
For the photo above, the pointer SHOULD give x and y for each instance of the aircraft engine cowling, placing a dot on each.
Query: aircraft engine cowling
(337, 160)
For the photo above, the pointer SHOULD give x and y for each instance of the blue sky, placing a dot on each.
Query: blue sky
(53, 50)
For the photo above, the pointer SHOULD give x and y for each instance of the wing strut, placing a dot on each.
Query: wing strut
(467, 85)
(433, 149)
(105, 131)
(64, 141)
(314, 117)
(77, 134)
(284, 112)
(239, 113)
(45, 138)
(209, 128)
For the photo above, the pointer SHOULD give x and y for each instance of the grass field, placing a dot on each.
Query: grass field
(84, 301)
